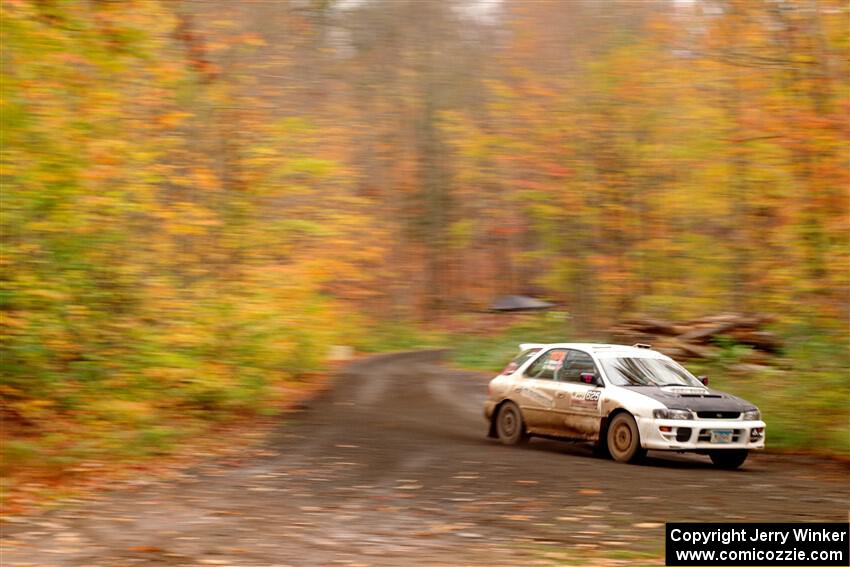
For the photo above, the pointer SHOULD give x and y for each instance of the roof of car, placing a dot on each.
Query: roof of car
(603, 350)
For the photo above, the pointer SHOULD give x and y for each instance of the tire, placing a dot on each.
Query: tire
(510, 427)
(624, 439)
(729, 459)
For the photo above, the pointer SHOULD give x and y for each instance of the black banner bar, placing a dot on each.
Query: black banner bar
(762, 544)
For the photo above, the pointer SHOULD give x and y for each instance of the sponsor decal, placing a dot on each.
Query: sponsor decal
(592, 396)
(684, 390)
(585, 397)
(538, 396)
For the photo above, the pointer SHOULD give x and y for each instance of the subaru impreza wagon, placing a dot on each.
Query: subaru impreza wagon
(625, 399)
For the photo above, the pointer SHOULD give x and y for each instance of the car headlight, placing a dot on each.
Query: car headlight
(751, 415)
(672, 414)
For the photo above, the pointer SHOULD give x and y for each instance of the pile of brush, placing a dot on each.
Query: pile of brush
(702, 338)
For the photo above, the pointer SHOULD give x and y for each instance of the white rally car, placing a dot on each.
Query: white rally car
(626, 399)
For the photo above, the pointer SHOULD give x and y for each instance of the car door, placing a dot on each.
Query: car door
(579, 409)
(537, 392)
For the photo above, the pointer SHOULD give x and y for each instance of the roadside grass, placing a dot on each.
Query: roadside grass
(169, 405)
(493, 351)
(57, 442)
(397, 335)
(66, 454)
(803, 394)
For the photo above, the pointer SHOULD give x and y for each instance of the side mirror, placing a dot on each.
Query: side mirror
(590, 378)
(703, 379)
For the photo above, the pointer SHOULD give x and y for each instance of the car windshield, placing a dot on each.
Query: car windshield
(647, 372)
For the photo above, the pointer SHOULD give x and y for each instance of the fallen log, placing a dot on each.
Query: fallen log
(704, 333)
(741, 319)
(652, 326)
(695, 338)
(761, 340)
(696, 351)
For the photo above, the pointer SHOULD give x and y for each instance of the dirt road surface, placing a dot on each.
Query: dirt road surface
(392, 467)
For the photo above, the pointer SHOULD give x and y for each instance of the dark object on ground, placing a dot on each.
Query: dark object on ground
(519, 303)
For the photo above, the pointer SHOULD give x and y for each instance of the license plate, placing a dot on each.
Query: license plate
(721, 436)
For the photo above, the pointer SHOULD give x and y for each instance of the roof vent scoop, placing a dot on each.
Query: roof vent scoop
(641, 345)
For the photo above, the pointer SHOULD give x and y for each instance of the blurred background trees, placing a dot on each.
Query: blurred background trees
(617, 158)
(200, 196)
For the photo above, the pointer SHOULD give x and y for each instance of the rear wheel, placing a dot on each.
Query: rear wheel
(729, 459)
(624, 439)
(510, 427)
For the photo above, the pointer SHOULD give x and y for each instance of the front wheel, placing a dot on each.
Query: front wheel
(624, 439)
(510, 428)
(729, 459)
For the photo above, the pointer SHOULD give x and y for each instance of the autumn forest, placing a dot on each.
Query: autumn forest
(199, 198)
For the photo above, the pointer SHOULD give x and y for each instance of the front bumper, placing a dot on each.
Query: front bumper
(695, 434)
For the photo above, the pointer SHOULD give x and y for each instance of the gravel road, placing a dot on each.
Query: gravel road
(392, 467)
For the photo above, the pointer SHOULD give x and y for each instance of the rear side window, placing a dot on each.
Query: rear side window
(519, 360)
(544, 368)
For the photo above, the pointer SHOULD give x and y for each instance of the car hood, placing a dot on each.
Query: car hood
(696, 399)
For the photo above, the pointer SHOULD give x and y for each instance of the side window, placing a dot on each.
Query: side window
(545, 367)
(576, 364)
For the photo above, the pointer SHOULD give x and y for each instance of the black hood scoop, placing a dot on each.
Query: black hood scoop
(710, 400)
